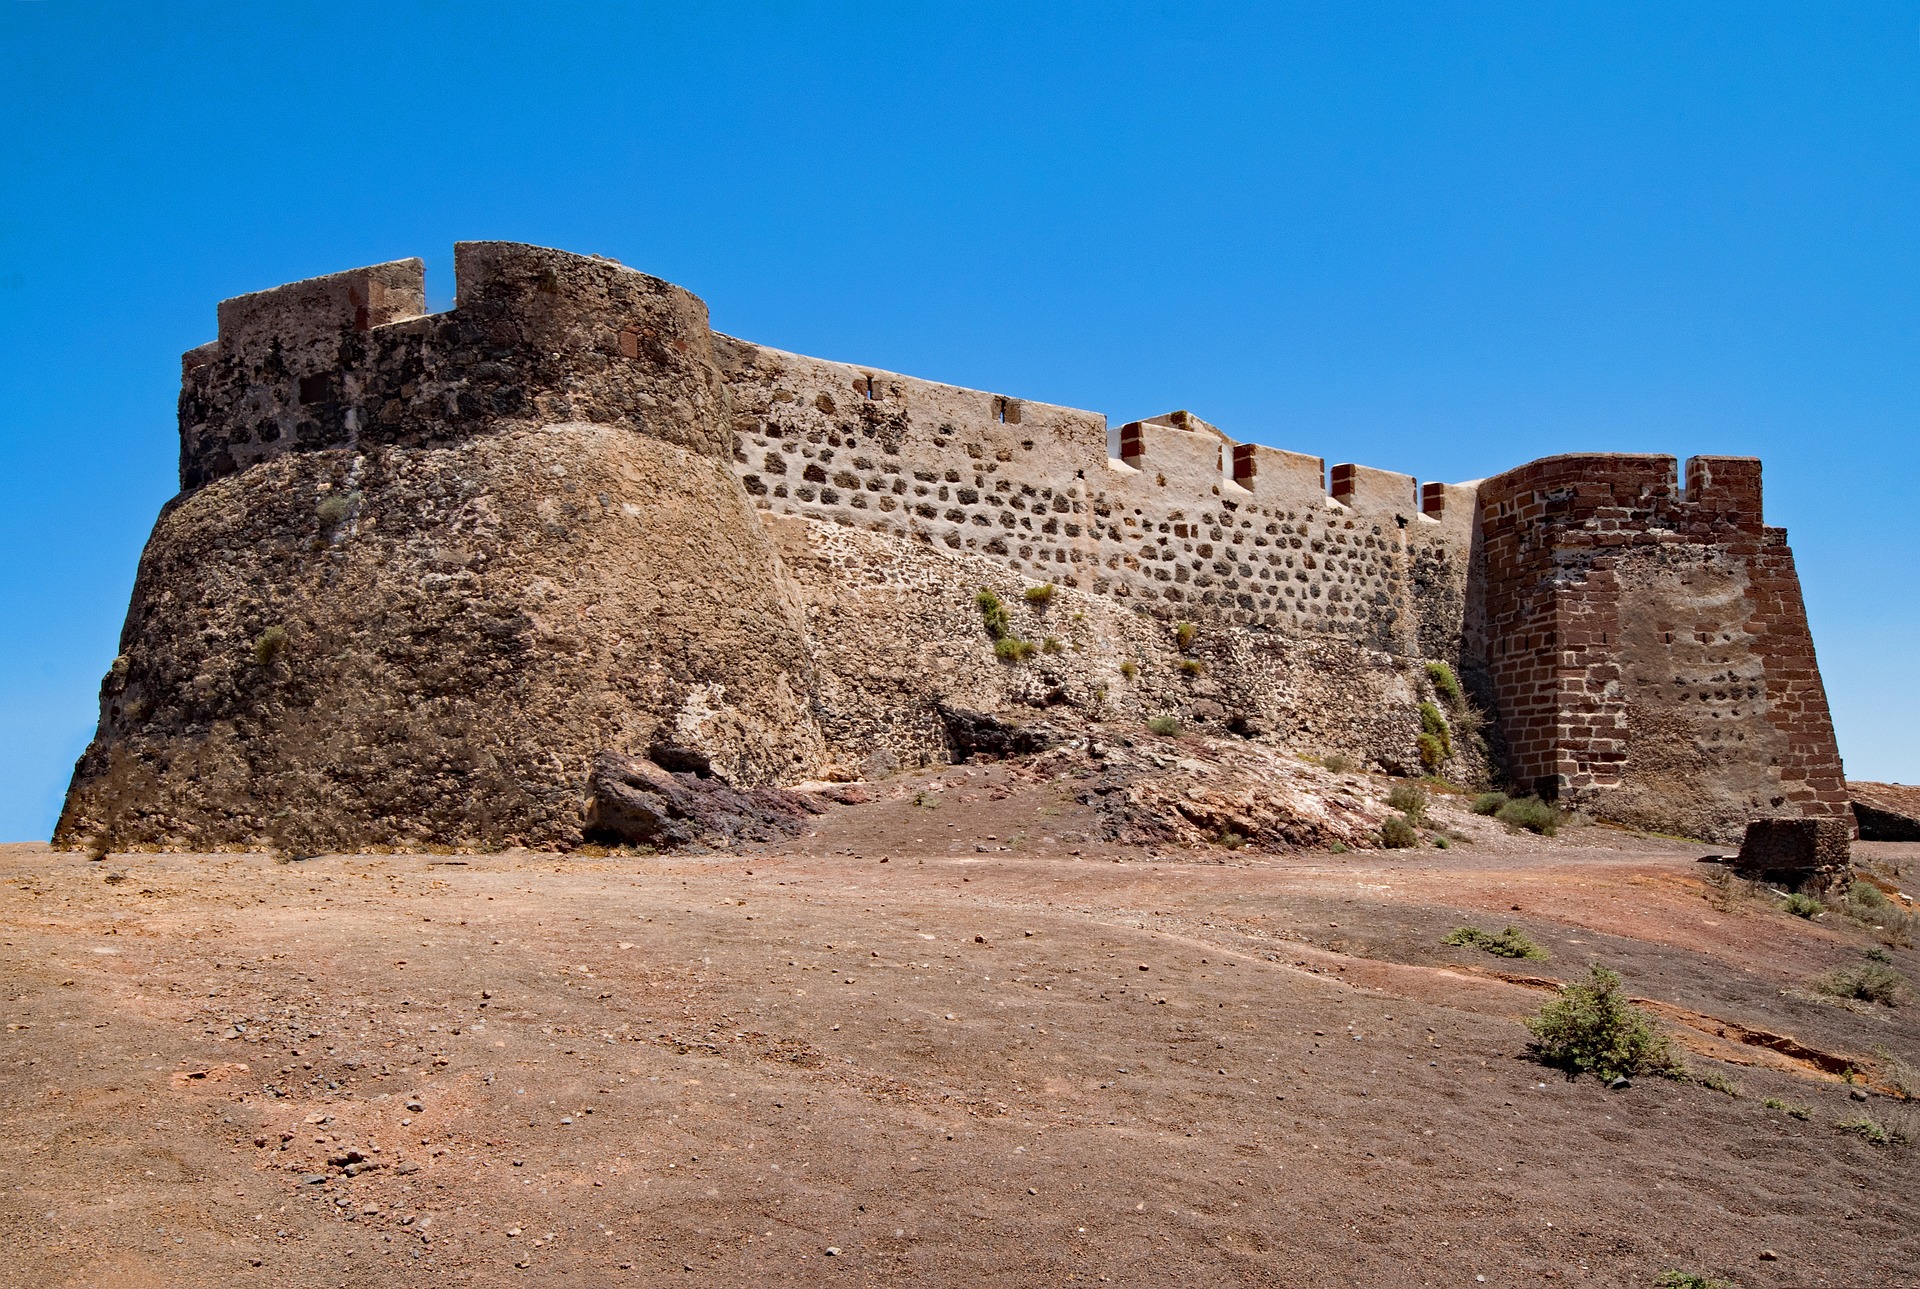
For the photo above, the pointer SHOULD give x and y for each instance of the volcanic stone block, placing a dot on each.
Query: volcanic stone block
(1805, 853)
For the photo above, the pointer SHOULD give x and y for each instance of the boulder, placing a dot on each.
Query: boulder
(972, 733)
(632, 801)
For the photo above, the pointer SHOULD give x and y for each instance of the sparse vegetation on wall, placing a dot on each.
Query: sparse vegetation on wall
(993, 614)
(269, 645)
(1007, 646)
(1436, 739)
(1014, 649)
(1446, 685)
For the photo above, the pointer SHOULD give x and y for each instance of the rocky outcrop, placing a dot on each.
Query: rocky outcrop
(1886, 811)
(426, 646)
(1210, 793)
(632, 801)
(984, 734)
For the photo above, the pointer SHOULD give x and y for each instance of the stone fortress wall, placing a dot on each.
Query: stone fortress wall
(1640, 648)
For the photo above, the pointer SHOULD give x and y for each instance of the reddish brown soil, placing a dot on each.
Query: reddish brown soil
(939, 1045)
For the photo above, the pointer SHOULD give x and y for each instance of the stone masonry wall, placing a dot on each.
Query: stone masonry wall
(1643, 647)
(1646, 648)
(1184, 523)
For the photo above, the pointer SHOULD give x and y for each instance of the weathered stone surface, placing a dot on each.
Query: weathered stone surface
(1812, 854)
(452, 649)
(1886, 811)
(1192, 793)
(983, 734)
(631, 800)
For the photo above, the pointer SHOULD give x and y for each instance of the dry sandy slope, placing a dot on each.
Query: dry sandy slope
(965, 1065)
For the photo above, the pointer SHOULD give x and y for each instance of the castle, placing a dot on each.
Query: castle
(423, 566)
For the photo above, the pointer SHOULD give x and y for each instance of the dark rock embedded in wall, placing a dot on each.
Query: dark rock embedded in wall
(984, 734)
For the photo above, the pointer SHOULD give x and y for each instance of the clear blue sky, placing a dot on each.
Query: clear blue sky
(1438, 238)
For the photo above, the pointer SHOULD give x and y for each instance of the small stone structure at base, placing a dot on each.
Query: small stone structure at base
(1811, 855)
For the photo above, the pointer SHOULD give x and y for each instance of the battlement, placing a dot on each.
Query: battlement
(535, 336)
(317, 309)
(543, 335)
(1631, 496)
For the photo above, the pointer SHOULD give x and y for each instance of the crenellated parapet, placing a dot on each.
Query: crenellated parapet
(1181, 521)
(1172, 513)
(535, 336)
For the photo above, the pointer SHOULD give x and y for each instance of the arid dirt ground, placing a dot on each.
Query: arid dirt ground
(947, 1043)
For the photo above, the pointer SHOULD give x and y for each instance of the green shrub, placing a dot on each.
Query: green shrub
(1165, 726)
(1718, 1082)
(1191, 667)
(1490, 803)
(1445, 684)
(1591, 1028)
(270, 644)
(1688, 1280)
(1014, 649)
(1867, 896)
(1869, 982)
(1803, 906)
(993, 615)
(1433, 753)
(1338, 762)
(1791, 1111)
(333, 508)
(1183, 634)
(1039, 595)
(1440, 842)
(1398, 834)
(1433, 723)
(1867, 905)
(1410, 799)
(1510, 943)
(1231, 839)
(1129, 670)
(1530, 813)
(1050, 645)
(1867, 1128)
